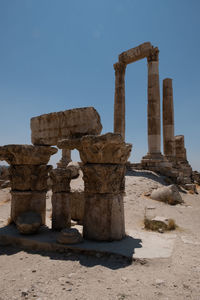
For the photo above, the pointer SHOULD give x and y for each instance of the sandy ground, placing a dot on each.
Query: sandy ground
(30, 275)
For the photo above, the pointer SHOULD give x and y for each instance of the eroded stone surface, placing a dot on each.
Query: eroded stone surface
(108, 148)
(28, 201)
(47, 129)
(26, 154)
(103, 217)
(70, 236)
(61, 215)
(77, 204)
(29, 177)
(103, 178)
(28, 222)
(168, 194)
(60, 180)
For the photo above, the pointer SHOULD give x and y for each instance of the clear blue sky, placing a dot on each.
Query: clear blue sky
(59, 54)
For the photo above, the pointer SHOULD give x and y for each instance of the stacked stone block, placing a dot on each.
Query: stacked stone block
(104, 158)
(61, 213)
(28, 176)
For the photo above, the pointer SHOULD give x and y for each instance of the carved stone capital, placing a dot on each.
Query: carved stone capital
(119, 67)
(153, 55)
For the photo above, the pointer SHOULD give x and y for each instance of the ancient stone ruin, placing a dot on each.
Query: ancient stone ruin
(173, 163)
(103, 161)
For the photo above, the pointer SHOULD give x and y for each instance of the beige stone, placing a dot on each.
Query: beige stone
(60, 180)
(136, 53)
(26, 154)
(103, 217)
(107, 148)
(61, 216)
(47, 129)
(103, 178)
(28, 201)
(29, 177)
(168, 194)
(180, 148)
(168, 119)
(77, 205)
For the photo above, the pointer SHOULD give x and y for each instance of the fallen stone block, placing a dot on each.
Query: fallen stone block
(69, 236)
(48, 129)
(168, 194)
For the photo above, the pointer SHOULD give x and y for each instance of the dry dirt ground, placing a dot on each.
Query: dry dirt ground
(31, 275)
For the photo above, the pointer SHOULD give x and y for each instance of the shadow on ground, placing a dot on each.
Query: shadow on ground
(146, 174)
(113, 255)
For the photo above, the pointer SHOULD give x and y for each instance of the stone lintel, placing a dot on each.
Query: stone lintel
(136, 53)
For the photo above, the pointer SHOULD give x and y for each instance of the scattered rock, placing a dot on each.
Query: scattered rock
(28, 222)
(168, 194)
(69, 236)
(191, 188)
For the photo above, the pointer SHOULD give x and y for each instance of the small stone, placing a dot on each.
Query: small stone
(69, 236)
(159, 282)
(168, 194)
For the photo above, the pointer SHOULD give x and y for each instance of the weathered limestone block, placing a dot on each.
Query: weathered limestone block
(61, 216)
(26, 154)
(104, 217)
(70, 236)
(119, 108)
(47, 129)
(136, 53)
(168, 194)
(108, 148)
(180, 148)
(28, 222)
(29, 177)
(60, 180)
(77, 204)
(103, 178)
(28, 201)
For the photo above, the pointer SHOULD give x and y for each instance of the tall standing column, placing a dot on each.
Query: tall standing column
(168, 119)
(65, 159)
(119, 109)
(153, 104)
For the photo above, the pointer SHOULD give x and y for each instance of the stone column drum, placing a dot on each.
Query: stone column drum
(104, 159)
(119, 107)
(153, 104)
(168, 120)
(28, 176)
(65, 159)
(61, 216)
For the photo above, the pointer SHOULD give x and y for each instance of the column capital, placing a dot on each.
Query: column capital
(119, 67)
(153, 54)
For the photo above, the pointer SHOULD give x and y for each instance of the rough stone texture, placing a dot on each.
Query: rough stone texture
(65, 159)
(180, 148)
(119, 108)
(136, 53)
(77, 205)
(28, 222)
(29, 177)
(168, 120)
(196, 177)
(47, 129)
(102, 149)
(153, 103)
(70, 236)
(168, 194)
(26, 154)
(191, 187)
(60, 180)
(61, 216)
(103, 178)
(157, 223)
(103, 217)
(28, 201)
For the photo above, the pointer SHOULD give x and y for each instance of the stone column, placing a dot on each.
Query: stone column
(28, 176)
(65, 159)
(103, 175)
(119, 107)
(61, 214)
(153, 104)
(168, 120)
(180, 148)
